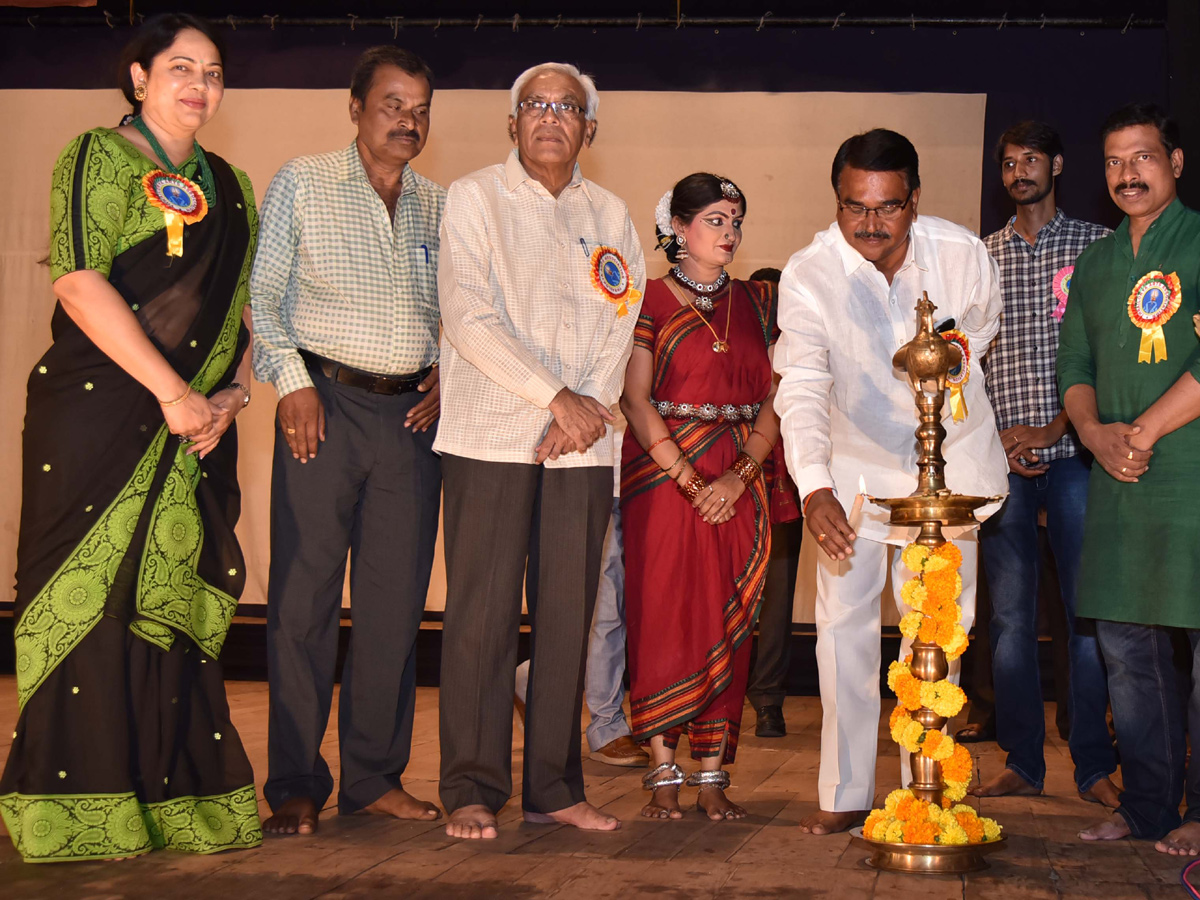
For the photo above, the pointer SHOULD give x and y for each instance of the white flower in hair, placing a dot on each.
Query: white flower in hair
(662, 214)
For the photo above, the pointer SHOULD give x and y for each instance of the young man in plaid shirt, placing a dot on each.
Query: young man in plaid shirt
(1036, 253)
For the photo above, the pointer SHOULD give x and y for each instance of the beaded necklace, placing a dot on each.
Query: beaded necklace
(204, 180)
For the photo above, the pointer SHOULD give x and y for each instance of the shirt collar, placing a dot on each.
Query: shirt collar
(515, 175)
(351, 168)
(1173, 210)
(852, 259)
(1054, 226)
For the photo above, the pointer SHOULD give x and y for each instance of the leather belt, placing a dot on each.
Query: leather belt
(367, 381)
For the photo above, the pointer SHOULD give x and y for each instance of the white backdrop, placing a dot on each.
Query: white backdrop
(777, 147)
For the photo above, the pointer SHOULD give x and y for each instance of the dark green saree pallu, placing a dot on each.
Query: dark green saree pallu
(128, 567)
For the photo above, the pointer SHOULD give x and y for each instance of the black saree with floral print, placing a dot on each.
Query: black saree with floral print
(128, 566)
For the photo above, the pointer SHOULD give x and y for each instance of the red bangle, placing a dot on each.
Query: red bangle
(661, 440)
(808, 499)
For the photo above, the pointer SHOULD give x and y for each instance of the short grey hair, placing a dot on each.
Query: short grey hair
(589, 86)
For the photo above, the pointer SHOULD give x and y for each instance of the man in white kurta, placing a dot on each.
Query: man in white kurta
(847, 303)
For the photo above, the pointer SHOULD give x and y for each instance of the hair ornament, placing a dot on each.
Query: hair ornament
(729, 191)
(662, 214)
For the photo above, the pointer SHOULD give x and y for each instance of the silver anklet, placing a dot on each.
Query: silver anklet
(665, 775)
(717, 778)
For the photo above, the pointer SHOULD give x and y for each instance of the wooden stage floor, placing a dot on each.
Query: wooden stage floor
(764, 856)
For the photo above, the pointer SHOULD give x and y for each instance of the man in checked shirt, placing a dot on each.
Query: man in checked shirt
(1036, 253)
(344, 293)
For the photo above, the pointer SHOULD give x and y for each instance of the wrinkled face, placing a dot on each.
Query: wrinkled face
(875, 212)
(545, 137)
(713, 236)
(393, 121)
(1140, 174)
(185, 83)
(1028, 174)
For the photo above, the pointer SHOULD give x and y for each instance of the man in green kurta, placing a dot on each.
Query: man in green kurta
(1128, 364)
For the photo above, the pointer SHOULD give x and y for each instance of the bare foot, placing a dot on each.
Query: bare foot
(295, 816)
(1183, 841)
(474, 822)
(664, 804)
(582, 815)
(717, 806)
(822, 822)
(1103, 792)
(403, 805)
(1006, 783)
(1111, 829)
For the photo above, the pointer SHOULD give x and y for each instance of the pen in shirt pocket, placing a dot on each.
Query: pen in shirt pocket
(423, 249)
(586, 252)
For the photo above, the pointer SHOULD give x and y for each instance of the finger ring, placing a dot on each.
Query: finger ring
(1131, 454)
(821, 536)
(291, 431)
(1122, 470)
(710, 489)
(722, 499)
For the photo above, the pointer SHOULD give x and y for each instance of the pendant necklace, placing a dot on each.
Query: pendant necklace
(204, 177)
(719, 345)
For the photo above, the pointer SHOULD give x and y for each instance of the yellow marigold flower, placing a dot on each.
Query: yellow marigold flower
(910, 736)
(991, 829)
(935, 564)
(914, 556)
(895, 797)
(910, 624)
(943, 697)
(895, 833)
(895, 670)
(958, 646)
(914, 594)
(955, 790)
(952, 832)
(936, 745)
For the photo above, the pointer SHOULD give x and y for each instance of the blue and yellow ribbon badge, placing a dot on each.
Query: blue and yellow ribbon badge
(610, 275)
(181, 201)
(958, 377)
(1154, 300)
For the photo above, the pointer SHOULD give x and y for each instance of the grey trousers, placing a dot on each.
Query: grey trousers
(506, 522)
(373, 491)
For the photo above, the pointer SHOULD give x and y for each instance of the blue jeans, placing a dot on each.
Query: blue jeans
(1148, 703)
(1009, 544)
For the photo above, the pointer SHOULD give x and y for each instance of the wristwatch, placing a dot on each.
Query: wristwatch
(245, 392)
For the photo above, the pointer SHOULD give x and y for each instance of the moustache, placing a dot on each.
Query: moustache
(872, 235)
(1022, 182)
(400, 133)
(1133, 185)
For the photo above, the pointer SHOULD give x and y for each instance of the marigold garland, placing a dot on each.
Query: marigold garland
(935, 618)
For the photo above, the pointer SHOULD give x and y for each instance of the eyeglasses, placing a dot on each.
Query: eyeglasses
(562, 109)
(887, 211)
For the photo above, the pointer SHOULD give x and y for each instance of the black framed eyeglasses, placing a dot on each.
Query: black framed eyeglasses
(562, 109)
(887, 211)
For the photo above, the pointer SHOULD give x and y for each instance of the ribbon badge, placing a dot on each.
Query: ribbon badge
(181, 201)
(958, 377)
(610, 275)
(1154, 300)
(1062, 287)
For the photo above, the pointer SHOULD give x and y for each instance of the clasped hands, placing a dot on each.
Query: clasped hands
(1122, 450)
(579, 421)
(203, 420)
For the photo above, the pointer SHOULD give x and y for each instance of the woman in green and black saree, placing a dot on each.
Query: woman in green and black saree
(128, 569)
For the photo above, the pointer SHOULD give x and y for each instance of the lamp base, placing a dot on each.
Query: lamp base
(926, 859)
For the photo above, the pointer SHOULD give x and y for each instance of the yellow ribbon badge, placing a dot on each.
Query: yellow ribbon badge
(181, 201)
(1154, 300)
(958, 377)
(610, 275)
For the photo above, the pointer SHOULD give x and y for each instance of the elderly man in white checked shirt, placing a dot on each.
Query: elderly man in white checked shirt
(345, 304)
(540, 280)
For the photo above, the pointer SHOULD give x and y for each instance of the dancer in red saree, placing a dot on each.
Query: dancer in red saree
(697, 484)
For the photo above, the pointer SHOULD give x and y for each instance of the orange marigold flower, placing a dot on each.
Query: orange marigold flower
(933, 740)
(971, 825)
(950, 553)
(958, 766)
(921, 832)
(928, 630)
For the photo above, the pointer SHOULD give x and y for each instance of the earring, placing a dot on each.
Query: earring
(681, 253)
(139, 92)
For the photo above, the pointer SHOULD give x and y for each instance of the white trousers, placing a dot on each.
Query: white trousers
(848, 661)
